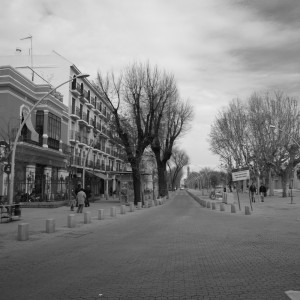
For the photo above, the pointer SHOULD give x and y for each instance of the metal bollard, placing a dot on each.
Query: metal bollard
(213, 205)
(71, 221)
(208, 204)
(233, 210)
(247, 210)
(100, 214)
(204, 203)
(23, 232)
(222, 207)
(50, 225)
(87, 217)
(131, 207)
(113, 211)
(123, 209)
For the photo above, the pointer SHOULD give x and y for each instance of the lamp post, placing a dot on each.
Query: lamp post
(13, 153)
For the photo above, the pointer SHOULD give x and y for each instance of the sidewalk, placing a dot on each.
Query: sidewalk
(273, 206)
(36, 218)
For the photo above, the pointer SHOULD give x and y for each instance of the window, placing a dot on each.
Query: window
(39, 125)
(54, 131)
(73, 106)
(74, 83)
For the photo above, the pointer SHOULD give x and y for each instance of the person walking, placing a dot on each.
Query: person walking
(81, 196)
(72, 200)
(252, 191)
(88, 195)
(262, 192)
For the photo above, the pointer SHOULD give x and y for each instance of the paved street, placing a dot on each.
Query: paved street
(175, 251)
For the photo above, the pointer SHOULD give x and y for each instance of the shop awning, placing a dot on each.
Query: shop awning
(98, 174)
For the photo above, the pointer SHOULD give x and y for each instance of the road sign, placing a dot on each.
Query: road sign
(7, 169)
(241, 175)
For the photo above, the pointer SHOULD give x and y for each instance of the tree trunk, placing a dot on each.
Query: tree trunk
(137, 182)
(162, 181)
(284, 182)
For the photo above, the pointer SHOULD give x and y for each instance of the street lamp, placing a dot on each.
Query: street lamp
(13, 154)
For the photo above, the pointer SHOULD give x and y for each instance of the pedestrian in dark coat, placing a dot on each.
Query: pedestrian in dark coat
(252, 191)
(262, 192)
(88, 195)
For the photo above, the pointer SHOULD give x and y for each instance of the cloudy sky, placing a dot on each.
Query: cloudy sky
(217, 49)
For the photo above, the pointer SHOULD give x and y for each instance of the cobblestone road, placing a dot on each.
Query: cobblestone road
(175, 251)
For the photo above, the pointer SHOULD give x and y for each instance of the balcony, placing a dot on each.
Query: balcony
(76, 160)
(75, 89)
(84, 96)
(73, 136)
(75, 113)
(83, 121)
(82, 140)
(90, 124)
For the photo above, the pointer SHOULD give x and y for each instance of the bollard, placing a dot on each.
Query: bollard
(222, 207)
(139, 205)
(204, 203)
(213, 205)
(247, 211)
(100, 214)
(208, 204)
(23, 232)
(71, 221)
(233, 210)
(87, 217)
(131, 207)
(113, 211)
(123, 209)
(50, 225)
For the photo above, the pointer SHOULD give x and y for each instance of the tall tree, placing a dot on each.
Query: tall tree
(179, 159)
(137, 99)
(176, 121)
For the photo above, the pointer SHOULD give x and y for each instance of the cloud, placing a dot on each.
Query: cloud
(217, 50)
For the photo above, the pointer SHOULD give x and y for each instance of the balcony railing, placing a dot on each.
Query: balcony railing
(83, 139)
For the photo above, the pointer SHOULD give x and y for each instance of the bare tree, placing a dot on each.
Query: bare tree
(245, 137)
(176, 122)
(137, 99)
(179, 159)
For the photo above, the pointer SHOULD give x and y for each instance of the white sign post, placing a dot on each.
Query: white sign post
(240, 174)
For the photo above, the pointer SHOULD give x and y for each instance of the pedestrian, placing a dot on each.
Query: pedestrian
(252, 191)
(88, 195)
(81, 196)
(262, 192)
(72, 200)
(76, 192)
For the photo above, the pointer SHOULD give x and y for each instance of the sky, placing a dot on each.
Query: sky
(218, 50)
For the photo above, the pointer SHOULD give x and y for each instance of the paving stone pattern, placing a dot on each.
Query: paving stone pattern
(178, 250)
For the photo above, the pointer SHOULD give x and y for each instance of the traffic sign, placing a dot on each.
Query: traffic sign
(241, 175)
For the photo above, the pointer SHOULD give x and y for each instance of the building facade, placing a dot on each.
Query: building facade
(93, 154)
(42, 146)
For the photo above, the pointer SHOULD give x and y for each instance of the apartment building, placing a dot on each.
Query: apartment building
(41, 149)
(94, 155)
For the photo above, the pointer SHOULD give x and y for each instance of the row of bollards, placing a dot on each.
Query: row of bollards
(212, 205)
(23, 228)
